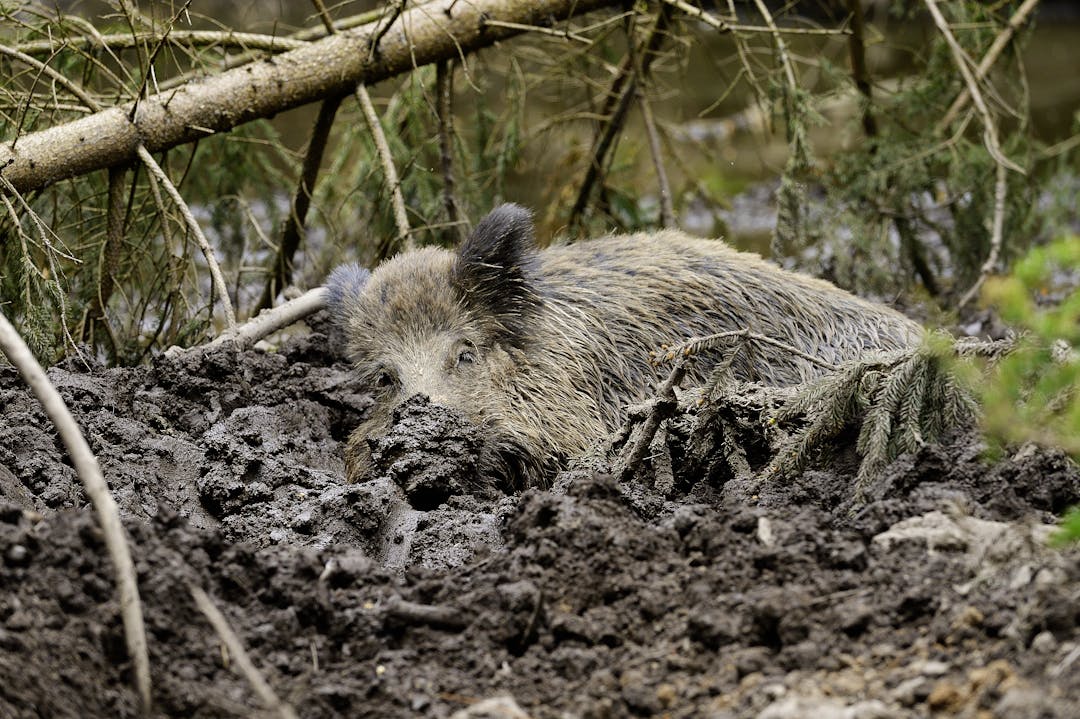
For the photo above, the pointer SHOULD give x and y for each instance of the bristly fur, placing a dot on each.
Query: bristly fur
(345, 284)
(547, 348)
(496, 270)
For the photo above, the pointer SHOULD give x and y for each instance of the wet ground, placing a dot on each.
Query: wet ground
(681, 592)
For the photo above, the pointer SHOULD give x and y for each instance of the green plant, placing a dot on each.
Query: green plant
(1031, 393)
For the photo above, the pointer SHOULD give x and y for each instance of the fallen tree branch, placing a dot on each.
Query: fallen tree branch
(335, 65)
(266, 322)
(86, 466)
(236, 649)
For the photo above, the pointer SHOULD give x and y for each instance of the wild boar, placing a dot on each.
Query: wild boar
(544, 349)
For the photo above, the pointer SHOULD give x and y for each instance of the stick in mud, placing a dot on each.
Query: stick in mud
(232, 642)
(86, 466)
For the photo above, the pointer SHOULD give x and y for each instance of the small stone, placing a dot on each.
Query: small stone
(1044, 643)
(946, 697)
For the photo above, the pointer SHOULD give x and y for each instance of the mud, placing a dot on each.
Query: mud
(683, 592)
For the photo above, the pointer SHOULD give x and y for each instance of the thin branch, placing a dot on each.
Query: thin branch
(292, 232)
(667, 209)
(193, 225)
(197, 38)
(86, 466)
(110, 255)
(565, 34)
(725, 26)
(624, 87)
(859, 71)
(382, 148)
(444, 96)
(996, 48)
(989, 127)
(236, 649)
(996, 232)
(781, 46)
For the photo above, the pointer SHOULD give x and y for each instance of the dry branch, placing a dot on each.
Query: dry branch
(996, 48)
(86, 465)
(386, 159)
(335, 65)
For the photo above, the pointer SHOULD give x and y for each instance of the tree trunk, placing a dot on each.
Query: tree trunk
(439, 30)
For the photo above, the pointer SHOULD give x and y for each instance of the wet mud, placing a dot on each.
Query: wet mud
(681, 592)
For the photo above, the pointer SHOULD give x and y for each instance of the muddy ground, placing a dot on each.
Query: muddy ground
(677, 593)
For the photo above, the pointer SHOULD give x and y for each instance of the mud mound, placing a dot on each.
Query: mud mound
(597, 599)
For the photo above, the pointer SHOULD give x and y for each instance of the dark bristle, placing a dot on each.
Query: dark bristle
(346, 282)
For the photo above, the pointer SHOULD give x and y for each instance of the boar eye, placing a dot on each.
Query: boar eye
(383, 379)
(466, 355)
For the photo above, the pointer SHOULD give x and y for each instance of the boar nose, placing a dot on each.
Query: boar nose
(433, 397)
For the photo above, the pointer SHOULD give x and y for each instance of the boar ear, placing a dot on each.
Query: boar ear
(496, 270)
(343, 286)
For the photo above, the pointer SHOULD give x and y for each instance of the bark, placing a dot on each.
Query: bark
(440, 30)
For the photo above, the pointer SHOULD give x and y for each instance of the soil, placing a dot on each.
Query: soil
(680, 592)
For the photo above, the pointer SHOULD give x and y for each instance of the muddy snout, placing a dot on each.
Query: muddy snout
(432, 452)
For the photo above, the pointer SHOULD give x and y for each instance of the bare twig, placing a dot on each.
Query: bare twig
(444, 96)
(991, 56)
(667, 209)
(396, 7)
(193, 225)
(443, 617)
(781, 46)
(293, 231)
(199, 38)
(990, 139)
(725, 26)
(97, 490)
(236, 649)
(565, 34)
(662, 408)
(623, 87)
(110, 256)
(382, 147)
